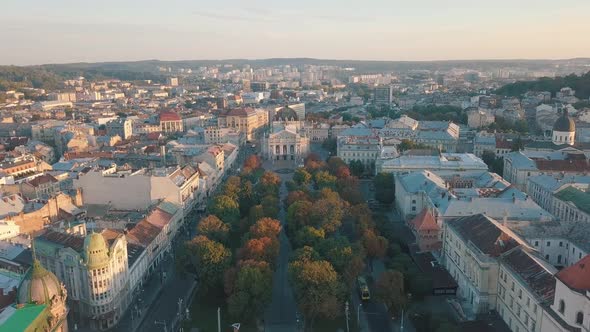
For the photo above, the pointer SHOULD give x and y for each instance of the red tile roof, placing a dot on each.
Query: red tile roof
(563, 165)
(577, 276)
(169, 116)
(45, 178)
(425, 221)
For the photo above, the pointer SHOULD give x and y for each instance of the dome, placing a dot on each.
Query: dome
(286, 113)
(564, 123)
(40, 286)
(96, 251)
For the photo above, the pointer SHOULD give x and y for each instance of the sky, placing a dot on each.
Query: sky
(63, 31)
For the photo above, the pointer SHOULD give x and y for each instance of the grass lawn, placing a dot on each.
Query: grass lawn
(203, 315)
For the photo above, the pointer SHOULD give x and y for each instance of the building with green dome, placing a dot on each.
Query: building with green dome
(41, 304)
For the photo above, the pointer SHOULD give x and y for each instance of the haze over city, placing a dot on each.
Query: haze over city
(62, 31)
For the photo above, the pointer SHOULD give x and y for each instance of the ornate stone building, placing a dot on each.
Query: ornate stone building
(42, 287)
(287, 139)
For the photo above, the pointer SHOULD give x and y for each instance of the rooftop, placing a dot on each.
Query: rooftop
(577, 197)
(483, 234)
(20, 319)
(530, 269)
(577, 276)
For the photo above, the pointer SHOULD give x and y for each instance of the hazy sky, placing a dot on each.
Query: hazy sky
(58, 31)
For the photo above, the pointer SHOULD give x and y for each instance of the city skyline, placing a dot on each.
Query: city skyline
(64, 31)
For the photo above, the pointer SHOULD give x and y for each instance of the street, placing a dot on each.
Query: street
(281, 314)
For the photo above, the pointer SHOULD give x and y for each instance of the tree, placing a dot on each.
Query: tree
(330, 145)
(324, 179)
(262, 249)
(252, 163)
(265, 227)
(248, 290)
(247, 198)
(357, 167)
(314, 163)
(256, 213)
(384, 188)
(495, 164)
(407, 144)
(268, 184)
(318, 292)
(213, 228)
(309, 236)
(270, 206)
(210, 259)
(232, 187)
(353, 269)
(375, 245)
(302, 177)
(389, 289)
(334, 163)
(305, 254)
(295, 196)
(338, 251)
(299, 215)
(225, 208)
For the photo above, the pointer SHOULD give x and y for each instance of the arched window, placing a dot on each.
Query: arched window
(580, 318)
(561, 306)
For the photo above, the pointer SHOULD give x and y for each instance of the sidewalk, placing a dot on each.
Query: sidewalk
(149, 294)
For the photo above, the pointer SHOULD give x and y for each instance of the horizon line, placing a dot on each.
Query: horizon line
(300, 58)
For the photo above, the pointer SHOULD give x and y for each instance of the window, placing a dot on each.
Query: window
(547, 257)
(558, 259)
(560, 243)
(536, 243)
(580, 318)
(561, 306)
(548, 243)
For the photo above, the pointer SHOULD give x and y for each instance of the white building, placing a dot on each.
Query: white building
(439, 162)
(471, 247)
(131, 190)
(287, 139)
(526, 285)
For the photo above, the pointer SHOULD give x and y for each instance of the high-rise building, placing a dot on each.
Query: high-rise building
(172, 81)
(383, 95)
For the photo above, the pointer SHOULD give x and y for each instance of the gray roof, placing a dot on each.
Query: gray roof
(577, 232)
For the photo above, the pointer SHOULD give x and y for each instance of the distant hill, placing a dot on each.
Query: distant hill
(50, 75)
(579, 83)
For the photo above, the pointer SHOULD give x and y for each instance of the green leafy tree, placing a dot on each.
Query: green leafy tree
(309, 236)
(256, 213)
(302, 177)
(318, 291)
(384, 188)
(299, 215)
(225, 208)
(213, 228)
(357, 167)
(210, 259)
(389, 289)
(324, 179)
(248, 290)
(232, 187)
(270, 206)
(247, 198)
